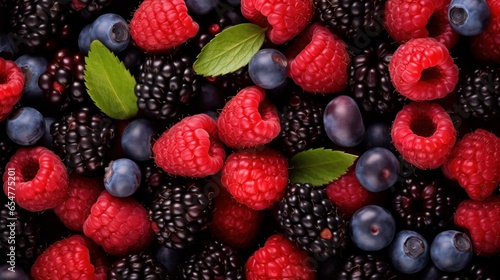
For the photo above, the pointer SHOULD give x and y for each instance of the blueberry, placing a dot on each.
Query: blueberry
(409, 252)
(136, 139)
(112, 30)
(468, 17)
(343, 122)
(32, 67)
(451, 251)
(377, 169)
(84, 39)
(372, 228)
(201, 7)
(169, 258)
(122, 177)
(378, 135)
(6, 47)
(46, 139)
(25, 126)
(211, 97)
(7, 273)
(268, 68)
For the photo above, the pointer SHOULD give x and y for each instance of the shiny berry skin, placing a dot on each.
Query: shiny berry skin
(377, 169)
(111, 30)
(378, 135)
(343, 121)
(25, 126)
(8, 274)
(201, 7)
(84, 39)
(47, 139)
(468, 17)
(122, 178)
(268, 68)
(136, 139)
(372, 228)
(32, 67)
(451, 251)
(409, 252)
(169, 258)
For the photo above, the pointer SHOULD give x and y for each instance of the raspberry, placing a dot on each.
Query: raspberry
(279, 259)
(40, 179)
(256, 178)
(475, 163)
(424, 134)
(75, 257)
(119, 225)
(485, 45)
(160, 25)
(423, 69)
(11, 86)
(318, 61)
(248, 119)
(83, 193)
(285, 18)
(190, 148)
(480, 218)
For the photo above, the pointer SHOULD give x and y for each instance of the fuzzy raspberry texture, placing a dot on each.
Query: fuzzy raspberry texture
(248, 120)
(481, 219)
(423, 69)
(40, 179)
(256, 178)
(279, 259)
(11, 86)
(318, 61)
(284, 18)
(486, 45)
(423, 133)
(475, 163)
(190, 148)
(82, 194)
(119, 225)
(75, 257)
(160, 25)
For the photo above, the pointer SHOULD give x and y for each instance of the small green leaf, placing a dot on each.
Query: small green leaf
(319, 166)
(109, 83)
(230, 50)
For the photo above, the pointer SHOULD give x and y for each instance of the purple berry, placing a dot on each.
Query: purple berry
(372, 228)
(25, 126)
(451, 251)
(122, 177)
(136, 139)
(377, 169)
(343, 122)
(409, 252)
(268, 68)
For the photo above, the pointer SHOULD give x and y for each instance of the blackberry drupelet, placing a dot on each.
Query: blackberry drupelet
(88, 8)
(83, 139)
(153, 177)
(480, 268)
(310, 220)
(363, 265)
(233, 82)
(137, 267)
(7, 148)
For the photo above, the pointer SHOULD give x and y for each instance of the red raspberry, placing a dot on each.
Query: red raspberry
(256, 178)
(285, 18)
(83, 193)
(119, 225)
(40, 179)
(11, 86)
(485, 46)
(424, 134)
(423, 69)
(475, 163)
(190, 148)
(481, 219)
(318, 61)
(75, 257)
(248, 120)
(279, 259)
(160, 25)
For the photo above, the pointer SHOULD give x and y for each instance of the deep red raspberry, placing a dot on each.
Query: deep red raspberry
(40, 179)
(279, 259)
(485, 46)
(248, 119)
(119, 225)
(256, 178)
(160, 25)
(423, 134)
(75, 257)
(423, 69)
(83, 193)
(190, 148)
(318, 61)
(481, 219)
(11, 86)
(475, 163)
(285, 18)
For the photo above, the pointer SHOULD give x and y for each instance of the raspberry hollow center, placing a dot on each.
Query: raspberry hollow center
(29, 171)
(3, 79)
(423, 126)
(431, 75)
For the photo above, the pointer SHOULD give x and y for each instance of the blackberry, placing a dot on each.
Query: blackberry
(309, 219)
(152, 177)
(181, 210)
(366, 266)
(82, 139)
(214, 261)
(88, 8)
(166, 87)
(7, 148)
(137, 267)
(480, 268)
(478, 92)
(233, 82)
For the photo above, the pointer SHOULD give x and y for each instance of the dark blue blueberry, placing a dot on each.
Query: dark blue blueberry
(343, 122)
(268, 68)
(169, 258)
(377, 169)
(32, 67)
(84, 39)
(112, 30)
(451, 251)
(46, 139)
(25, 126)
(211, 97)
(468, 17)
(372, 228)
(201, 7)
(378, 135)
(136, 139)
(6, 47)
(122, 177)
(9, 273)
(409, 252)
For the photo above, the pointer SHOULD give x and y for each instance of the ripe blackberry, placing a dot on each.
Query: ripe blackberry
(83, 140)
(309, 219)
(479, 269)
(215, 260)
(88, 8)
(363, 265)
(136, 267)
(233, 82)
(152, 177)
(7, 148)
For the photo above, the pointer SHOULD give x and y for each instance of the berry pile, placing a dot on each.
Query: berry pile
(249, 139)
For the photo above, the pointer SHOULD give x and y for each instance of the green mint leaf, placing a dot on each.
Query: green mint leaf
(230, 50)
(109, 83)
(319, 166)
